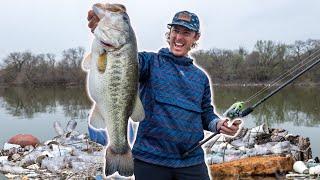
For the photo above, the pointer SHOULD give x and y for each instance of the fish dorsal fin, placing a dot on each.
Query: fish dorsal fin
(138, 111)
(86, 62)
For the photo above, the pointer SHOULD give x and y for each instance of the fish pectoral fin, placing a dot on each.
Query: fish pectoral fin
(138, 111)
(102, 62)
(86, 62)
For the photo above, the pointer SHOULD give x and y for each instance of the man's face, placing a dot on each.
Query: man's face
(181, 40)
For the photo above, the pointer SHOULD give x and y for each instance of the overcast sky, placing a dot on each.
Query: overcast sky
(50, 26)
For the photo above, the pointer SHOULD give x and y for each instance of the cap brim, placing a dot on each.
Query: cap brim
(184, 25)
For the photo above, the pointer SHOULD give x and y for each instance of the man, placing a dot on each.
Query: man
(177, 100)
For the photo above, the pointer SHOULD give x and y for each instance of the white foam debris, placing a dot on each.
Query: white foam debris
(69, 155)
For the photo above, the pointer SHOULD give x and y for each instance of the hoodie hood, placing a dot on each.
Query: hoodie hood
(181, 60)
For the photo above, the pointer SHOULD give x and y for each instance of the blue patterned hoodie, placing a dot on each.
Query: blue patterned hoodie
(177, 101)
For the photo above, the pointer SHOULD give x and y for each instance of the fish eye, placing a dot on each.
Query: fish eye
(125, 18)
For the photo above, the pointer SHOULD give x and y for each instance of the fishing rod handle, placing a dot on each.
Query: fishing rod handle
(184, 155)
(246, 112)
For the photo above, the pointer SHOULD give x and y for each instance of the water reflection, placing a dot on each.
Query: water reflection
(25, 102)
(292, 104)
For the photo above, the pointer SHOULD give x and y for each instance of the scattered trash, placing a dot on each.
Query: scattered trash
(257, 141)
(8, 146)
(255, 147)
(70, 155)
(300, 167)
(315, 170)
(309, 169)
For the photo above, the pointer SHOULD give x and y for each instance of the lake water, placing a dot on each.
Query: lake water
(33, 111)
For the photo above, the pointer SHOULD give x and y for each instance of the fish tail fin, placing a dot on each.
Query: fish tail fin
(123, 163)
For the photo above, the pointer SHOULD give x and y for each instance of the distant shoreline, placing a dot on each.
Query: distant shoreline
(46, 85)
(3, 85)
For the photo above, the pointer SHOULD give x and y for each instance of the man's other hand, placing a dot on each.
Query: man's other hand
(224, 127)
(93, 20)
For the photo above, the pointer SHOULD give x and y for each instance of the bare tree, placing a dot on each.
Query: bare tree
(16, 60)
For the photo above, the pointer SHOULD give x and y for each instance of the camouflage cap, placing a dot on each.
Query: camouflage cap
(186, 19)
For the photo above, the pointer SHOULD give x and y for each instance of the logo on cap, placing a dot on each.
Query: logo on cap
(184, 16)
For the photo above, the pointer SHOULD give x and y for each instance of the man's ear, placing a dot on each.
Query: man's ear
(197, 36)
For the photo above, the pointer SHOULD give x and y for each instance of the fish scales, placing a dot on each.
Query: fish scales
(121, 99)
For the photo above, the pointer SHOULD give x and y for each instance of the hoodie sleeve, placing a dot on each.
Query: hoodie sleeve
(145, 61)
(208, 116)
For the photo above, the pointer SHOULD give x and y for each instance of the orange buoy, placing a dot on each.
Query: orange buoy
(24, 140)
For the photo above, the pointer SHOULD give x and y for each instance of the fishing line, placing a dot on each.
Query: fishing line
(289, 72)
(274, 83)
(286, 74)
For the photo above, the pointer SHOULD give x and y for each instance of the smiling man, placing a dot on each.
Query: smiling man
(176, 97)
(184, 32)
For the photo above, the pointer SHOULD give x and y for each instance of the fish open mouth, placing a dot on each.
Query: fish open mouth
(107, 44)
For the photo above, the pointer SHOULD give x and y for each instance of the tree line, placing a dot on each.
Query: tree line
(266, 62)
(26, 68)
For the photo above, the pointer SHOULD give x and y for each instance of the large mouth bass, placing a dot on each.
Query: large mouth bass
(112, 84)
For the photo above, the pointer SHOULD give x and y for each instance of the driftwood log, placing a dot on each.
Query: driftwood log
(252, 166)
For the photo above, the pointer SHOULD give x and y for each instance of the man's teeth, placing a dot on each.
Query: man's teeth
(178, 44)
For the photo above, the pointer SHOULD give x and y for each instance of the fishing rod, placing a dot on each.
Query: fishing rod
(236, 110)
